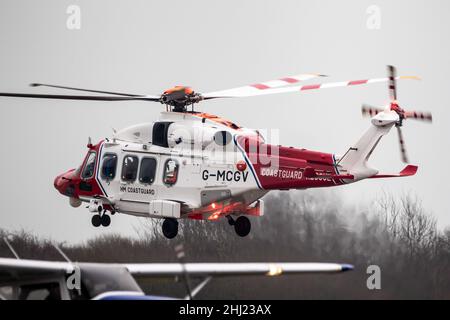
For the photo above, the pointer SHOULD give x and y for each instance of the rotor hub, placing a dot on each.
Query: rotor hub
(179, 97)
(401, 113)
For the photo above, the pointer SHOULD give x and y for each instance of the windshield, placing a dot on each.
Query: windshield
(97, 280)
(89, 167)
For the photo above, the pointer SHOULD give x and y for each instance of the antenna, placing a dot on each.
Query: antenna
(11, 248)
(89, 144)
(61, 253)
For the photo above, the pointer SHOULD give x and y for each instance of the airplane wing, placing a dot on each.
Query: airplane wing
(24, 271)
(12, 269)
(15, 268)
(210, 270)
(233, 269)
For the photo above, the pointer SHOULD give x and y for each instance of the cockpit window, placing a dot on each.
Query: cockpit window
(109, 166)
(89, 167)
(129, 168)
(107, 279)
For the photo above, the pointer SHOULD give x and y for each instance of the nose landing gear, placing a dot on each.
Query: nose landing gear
(170, 228)
(101, 219)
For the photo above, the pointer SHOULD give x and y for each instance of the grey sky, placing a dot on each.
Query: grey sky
(148, 46)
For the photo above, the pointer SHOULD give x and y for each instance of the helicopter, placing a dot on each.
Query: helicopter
(195, 165)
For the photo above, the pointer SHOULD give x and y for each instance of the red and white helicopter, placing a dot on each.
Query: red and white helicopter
(195, 165)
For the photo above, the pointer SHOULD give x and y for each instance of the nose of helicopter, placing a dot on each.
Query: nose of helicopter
(61, 181)
(57, 182)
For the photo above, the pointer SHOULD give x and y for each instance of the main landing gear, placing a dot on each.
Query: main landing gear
(170, 228)
(242, 225)
(101, 219)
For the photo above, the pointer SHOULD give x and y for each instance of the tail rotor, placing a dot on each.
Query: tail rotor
(371, 111)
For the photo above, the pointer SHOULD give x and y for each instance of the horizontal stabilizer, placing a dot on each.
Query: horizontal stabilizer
(409, 170)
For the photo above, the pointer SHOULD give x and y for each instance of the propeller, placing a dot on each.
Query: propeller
(179, 97)
(368, 110)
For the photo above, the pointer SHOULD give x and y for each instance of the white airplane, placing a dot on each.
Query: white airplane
(49, 280)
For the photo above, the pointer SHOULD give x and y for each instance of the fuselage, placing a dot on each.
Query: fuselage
(197, 164)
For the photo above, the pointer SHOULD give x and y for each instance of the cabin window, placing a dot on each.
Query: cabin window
(129, 168)
(147, 171)
(170, 172)
(159, 136)
(89, 166)
(108, 171)
(222, 138)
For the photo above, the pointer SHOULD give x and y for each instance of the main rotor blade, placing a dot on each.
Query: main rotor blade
(254, 88)
(392, 73)
(418, 115)
(80, 89)
(401, 142)
(235, 93)
(76, 97)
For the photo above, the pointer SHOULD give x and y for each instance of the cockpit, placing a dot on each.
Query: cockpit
(94, 282)
(100, 280)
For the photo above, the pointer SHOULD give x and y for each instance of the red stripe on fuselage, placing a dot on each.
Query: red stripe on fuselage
(278, 167)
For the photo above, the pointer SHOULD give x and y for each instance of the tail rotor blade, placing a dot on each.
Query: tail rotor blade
(392, 73)
(420, 116)
(402, 145)
(370, 111)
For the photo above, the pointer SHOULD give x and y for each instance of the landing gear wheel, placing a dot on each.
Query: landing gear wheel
(242, 226)
(96, 220)
(105, 220)
(170, 228)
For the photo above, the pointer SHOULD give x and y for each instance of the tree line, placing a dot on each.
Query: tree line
(394, 232)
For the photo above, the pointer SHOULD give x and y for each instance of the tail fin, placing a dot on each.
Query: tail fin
(355, 160)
